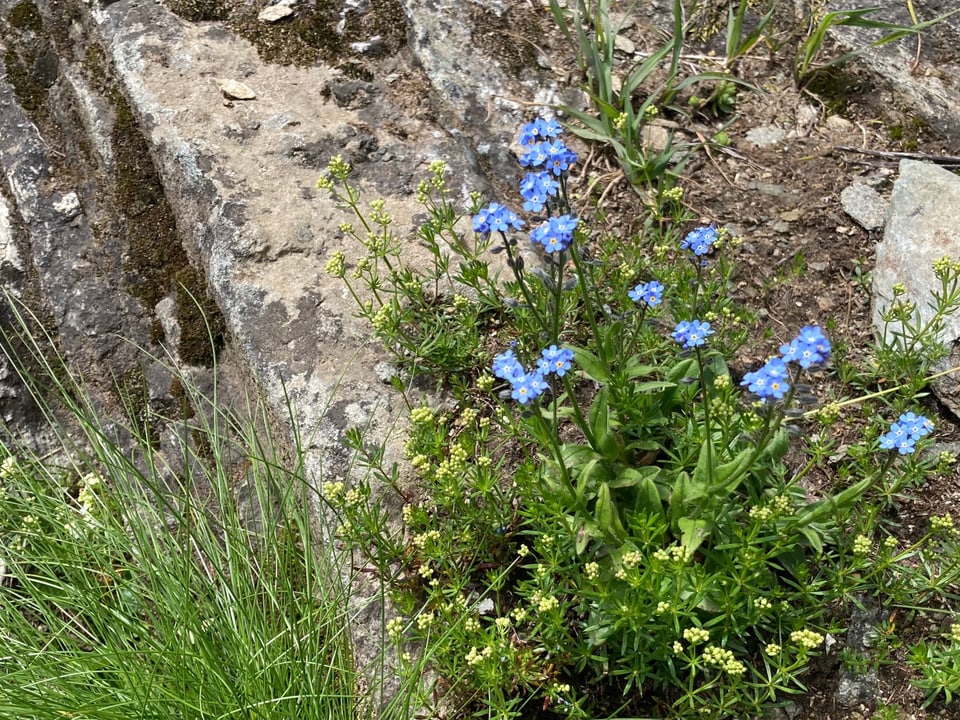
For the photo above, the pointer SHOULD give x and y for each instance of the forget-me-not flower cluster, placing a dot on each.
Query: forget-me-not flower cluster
(810, 347)
(528, 385)
(538, 131)
(537, 188)
(555, 234)
(496, 218)
(649, 293)
(550, 154)
(904, 433)
(691, 333)
(700, 241)
(548, 159)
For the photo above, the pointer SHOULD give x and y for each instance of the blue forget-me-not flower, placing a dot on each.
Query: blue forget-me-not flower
(691, 333)
(649, 293)
(699, 241)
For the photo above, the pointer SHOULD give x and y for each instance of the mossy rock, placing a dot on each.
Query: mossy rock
(199, 10)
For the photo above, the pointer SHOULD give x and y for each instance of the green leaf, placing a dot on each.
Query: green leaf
(813, 538)
(724, 478)
(607, 440)
(778, 445)
(587, 532)
(648, 498)
(584, 486)
(631, 477)
(575, 456)
(608, 517)
(634, 367)
(728, 476)
(651, 385)
(693, 531)
(594, 367)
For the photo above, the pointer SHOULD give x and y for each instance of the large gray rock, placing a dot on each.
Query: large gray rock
(130, 173)
(928, 91)
(921, 228)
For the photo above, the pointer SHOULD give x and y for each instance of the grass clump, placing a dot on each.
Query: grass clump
(137, 585)
(612, 521)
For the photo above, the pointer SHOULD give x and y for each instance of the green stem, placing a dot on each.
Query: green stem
(578, 417)
(588, 305)
(557, 295)
(706, 416)
(880, 393)
(518, 274)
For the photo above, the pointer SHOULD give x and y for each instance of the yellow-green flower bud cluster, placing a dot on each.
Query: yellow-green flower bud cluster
(696, 635)
(383, 319)
(675, 553)
(862, 545)
(942, 267)
(475, 657)
(723, 659)
(955, 632)
(337, 264)
(429, 538)
(378, 213)
(333, 491)
(337, 167)
(942, 524)
(946, 460)
(591, 570)
(87, 497)
(544, 603)
(806, 639)
(780, 505)
(829, 414)
(468, 416)
(675, 194)
(395, 628)
(425, 620)
(9, 467)
(422, 415)
(354, 496)
(363, 266)
(454, 466)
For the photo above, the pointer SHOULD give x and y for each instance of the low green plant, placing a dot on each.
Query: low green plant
(621, 110)
(607, 522)
(137, 586)
(938, 664)
(737, 41)
(911, 341)
(808, 60)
